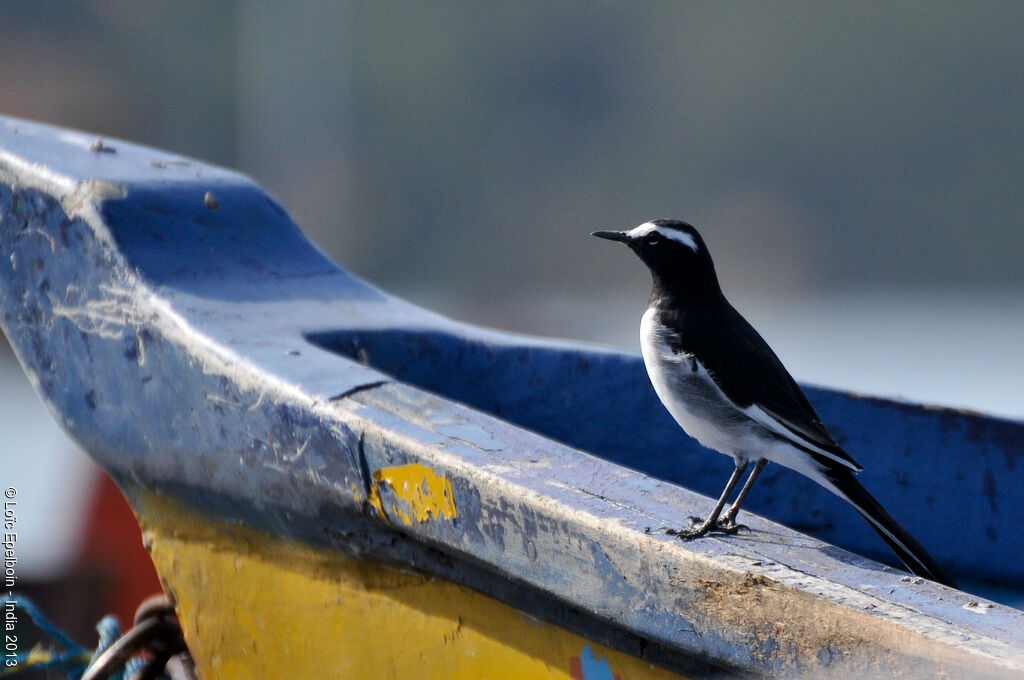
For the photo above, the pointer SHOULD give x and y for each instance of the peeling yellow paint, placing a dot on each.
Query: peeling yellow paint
(253, 606)
(376, 503)
(420, 494)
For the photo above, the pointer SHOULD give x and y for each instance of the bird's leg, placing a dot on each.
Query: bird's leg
(711, 523)
(728, 522)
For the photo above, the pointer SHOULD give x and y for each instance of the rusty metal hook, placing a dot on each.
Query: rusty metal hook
(156, 631)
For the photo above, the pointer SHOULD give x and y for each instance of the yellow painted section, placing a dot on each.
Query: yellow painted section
(418, 494)
(253, 606)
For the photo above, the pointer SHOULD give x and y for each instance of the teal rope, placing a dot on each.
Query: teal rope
(109, 632)
(73, 660)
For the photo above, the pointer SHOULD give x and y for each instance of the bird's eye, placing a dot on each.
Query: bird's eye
(653, 239)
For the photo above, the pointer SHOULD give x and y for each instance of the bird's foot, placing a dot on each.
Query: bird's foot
(730, 527)
(726, 525)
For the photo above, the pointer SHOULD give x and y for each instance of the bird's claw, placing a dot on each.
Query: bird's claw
(729, 527)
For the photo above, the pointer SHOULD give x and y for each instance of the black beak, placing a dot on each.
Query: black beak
(620, 236)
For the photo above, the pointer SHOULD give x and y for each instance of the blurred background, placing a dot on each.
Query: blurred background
(856, 169)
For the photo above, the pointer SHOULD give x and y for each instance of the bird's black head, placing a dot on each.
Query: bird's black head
(676, 255)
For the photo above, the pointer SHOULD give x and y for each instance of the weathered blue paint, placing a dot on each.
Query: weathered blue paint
(205, 349)
(955, 478)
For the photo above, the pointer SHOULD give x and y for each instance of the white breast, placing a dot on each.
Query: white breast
(692, 397)
(706, 414)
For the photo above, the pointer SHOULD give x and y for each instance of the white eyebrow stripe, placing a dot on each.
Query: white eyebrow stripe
(674, 234)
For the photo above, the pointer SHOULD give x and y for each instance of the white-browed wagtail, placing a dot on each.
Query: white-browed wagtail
(726, 388)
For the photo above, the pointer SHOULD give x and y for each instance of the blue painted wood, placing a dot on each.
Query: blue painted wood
(185, 332)
(956, 479)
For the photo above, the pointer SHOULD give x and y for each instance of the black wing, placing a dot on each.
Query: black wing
(750, 374)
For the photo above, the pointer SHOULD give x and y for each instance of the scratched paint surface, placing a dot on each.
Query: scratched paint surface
(417, 493)
(256, 607)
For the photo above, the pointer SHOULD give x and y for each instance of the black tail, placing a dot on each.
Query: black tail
(899, 539)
